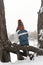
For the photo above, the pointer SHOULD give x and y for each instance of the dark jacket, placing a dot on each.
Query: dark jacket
(23, 37)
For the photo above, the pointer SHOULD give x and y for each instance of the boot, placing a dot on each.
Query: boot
(20, 57)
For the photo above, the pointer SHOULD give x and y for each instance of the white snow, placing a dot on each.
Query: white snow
(41, 9)
(33, 43)
(37, 61)
(14, 56)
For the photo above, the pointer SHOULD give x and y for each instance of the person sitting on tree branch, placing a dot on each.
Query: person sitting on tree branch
(23, 36)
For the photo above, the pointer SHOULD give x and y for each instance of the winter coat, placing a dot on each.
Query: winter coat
(23, 37)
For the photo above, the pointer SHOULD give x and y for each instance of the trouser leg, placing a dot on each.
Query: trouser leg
(19, 56)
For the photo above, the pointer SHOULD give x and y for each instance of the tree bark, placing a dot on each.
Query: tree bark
(40, 25)
(15, 48)
(3, 34)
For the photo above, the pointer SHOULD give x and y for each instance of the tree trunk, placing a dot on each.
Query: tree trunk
(40, 25)
(5, 56)
(15, 48)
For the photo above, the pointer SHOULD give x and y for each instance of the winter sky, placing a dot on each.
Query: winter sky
(26, 10)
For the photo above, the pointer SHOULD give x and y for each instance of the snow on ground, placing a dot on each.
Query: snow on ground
(33, 43)
(37, 61)
(14, 56)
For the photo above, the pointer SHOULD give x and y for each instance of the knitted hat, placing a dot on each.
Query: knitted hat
(20, 25)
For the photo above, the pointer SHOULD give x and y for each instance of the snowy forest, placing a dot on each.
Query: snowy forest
(24, 44)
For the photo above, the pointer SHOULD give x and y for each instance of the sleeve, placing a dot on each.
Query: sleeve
(16, 37)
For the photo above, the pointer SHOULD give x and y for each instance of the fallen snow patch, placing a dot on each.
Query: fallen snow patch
(37, 61)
